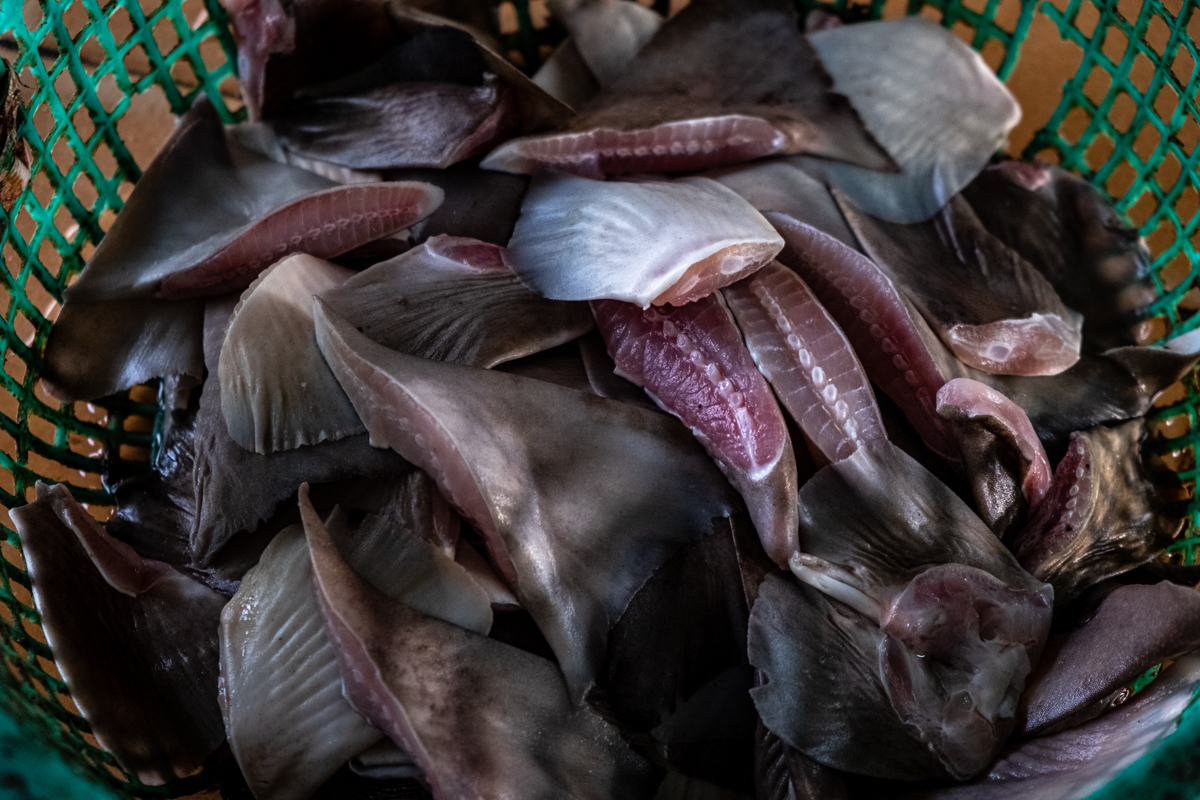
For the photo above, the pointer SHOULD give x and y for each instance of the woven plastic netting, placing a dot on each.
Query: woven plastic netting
(1127, 119)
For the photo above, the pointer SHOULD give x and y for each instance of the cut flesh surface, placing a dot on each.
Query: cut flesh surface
(649, 242)
(866, 305)
(808, 360)
(288, 724)
(1063, 226)
(988, 304)
(691, 360)
(1102, 516)
(1085, 673)
(578, 498)
(924, 604)
(722, 82)
(940, 139)
(479, 717)
(974, 400)
(452, 299)
(277, 393)
(133, 639)
(681, 146)
(324, 225)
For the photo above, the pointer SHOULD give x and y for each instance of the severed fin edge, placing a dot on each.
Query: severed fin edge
(1006, 464)
(499, 723)
(1104, 514)
(133, 639)
(650, 488)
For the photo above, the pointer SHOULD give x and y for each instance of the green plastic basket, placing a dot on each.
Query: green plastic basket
(1127, 120)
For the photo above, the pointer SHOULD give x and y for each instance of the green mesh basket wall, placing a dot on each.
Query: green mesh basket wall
(1128, 120)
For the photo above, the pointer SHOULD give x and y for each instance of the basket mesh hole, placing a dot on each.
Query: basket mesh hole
(1168, 171)
(42, 189)
(1158, 33)
(1141, 72)
(539, 14)
(1182, 66)
(184, 74)
(1099, 151)
(43, 122)
(1129, 8)
(109, 92)
(63, 156)
(1074, 124)
(1174, 274)
(75, 18)
(963, 31)
(81, 121)
(50, 258)
(1086, 18)
(1160, 239)
(104, 159)
(1124, 109)
(136, 62)
(32, 15)
(85, 445)
(1114, 45)
(85, 190)
(1166, 102)
(1097, 85)
(1188, 202)
(120, 25)
(993, 53)
(64, 223)
(23, 327)
(165, 36)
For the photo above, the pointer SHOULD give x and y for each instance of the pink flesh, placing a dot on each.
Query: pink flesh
(396, 420)
(1031, 175)
(121, 566)
(1041, 344)
(324, 225)
(1062, 512)
(979, 400)
(692, 361)
(808, 360)
(681, 146)
(867, 306)
(473, 253)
